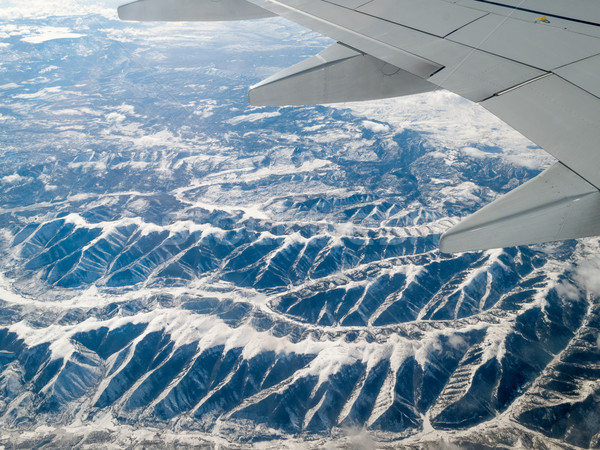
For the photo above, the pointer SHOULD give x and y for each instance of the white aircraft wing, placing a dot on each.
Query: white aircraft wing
(533, 63)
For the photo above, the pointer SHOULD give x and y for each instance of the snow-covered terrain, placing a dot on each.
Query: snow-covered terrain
(178, 268)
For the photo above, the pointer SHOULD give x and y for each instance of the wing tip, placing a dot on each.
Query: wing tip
(123, 11)
(443, 245)
(450, 245)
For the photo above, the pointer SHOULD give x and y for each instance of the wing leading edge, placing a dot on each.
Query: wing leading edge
(533, 64)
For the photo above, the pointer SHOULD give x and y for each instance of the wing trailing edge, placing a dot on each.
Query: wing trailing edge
(557, 204)
(191, 10)
(337, 74)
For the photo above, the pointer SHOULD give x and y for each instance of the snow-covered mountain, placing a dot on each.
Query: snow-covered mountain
(180, 268)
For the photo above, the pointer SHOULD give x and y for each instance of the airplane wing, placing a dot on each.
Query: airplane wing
(533, 63)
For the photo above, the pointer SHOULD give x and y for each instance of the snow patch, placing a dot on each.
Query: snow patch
(461, 192)
(86, 166)
(140, 205)
(450, 121)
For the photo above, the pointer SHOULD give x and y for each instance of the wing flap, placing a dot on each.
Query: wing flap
(436, 17)
(559, 117)
(547, 47)
(583, 74)
(191, 10)
(338, 74)
(557, 204)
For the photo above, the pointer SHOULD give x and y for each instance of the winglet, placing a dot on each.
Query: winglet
(558, 204)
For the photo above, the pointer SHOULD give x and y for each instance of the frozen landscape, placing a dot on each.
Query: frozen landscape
(180, 268)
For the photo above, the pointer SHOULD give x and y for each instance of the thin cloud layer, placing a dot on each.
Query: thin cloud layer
(13, 10)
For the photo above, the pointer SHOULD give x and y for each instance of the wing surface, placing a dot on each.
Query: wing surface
(533, 63)
(191, 10)
(338, 74)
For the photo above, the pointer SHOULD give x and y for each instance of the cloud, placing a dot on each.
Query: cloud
(358, 439)
(376, 127)
(254, 117)
(568, 290)
(12, 179)
(476, 153)
(44, 34)
(588, 275)
(32, 9)
(456, 341)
